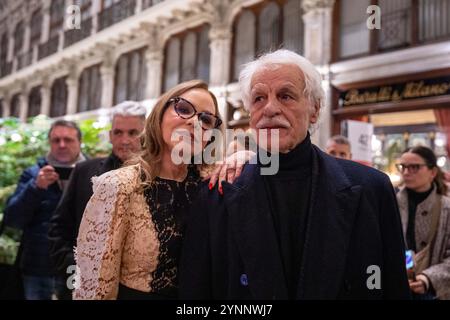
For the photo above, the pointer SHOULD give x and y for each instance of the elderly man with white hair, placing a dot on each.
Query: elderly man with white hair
(128, 120)
(319, 228)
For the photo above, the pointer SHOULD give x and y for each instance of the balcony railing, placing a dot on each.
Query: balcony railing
(5, 69)
(75, 35)
(48, 48)
(117, 12)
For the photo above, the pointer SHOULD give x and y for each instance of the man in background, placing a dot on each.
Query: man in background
(127, 124)
(32, 205)
(338, 146)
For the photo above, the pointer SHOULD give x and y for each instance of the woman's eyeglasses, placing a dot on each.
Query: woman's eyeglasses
(412, 168)
(186, 110)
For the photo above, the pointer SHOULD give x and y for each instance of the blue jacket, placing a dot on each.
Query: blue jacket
(30, 209)
(230, 248)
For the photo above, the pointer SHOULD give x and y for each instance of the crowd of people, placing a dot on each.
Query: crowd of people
(139, 225)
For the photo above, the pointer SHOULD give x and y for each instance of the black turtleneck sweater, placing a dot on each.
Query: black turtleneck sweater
(289, 192)
(414, 199)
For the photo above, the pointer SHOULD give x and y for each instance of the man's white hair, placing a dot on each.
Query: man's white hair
(313, 87)
(129, 109)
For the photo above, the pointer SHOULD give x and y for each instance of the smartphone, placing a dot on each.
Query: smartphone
(409, 255)
(63, 172)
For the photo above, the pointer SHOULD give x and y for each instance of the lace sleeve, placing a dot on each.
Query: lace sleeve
(101, 238)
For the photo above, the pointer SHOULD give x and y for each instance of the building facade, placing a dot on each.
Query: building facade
(397, 77)
(136, 49)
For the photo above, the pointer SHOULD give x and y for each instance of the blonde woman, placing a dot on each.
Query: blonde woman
(130, 236)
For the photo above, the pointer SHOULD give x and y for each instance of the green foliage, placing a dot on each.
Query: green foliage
(9, 244)
(92, 144)
(21, 144)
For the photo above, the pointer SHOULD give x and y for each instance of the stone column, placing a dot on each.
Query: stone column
(107, 75)
(154, 57)
(45, 32)
(72, 93)
(45, 97)
(23, 104)
(154, 63)
(138, 7)
(220, 45)
(96, 8)
(6, 105)
(317, 19)
(10, 54)
(27, 35)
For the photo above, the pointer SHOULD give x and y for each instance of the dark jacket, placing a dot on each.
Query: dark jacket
(230, 249)
(66, 220)
(30, 209)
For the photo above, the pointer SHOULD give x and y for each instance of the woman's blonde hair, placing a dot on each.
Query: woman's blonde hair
(149, 159)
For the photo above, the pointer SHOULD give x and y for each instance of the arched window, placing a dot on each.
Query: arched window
(5, 67)
(131, 76)
(121, 84)
(204, 55)
(34, 102)
(58, 104)
(264, 27)
(73, 35)
(269, 28)
(35, 28)
(187, 57)
(57, 12)
(15, 106)
(244, 44)
(114, 11)
(136, 61)
(85, 8)
(18, 38)
(293, 26)
(89, 89)
(3, 52)
(172, 65)
(3, 48)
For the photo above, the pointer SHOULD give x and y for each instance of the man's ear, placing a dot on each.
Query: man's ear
(315, 113)
(110, 136)
(434, 172)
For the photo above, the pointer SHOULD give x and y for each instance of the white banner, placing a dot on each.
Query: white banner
(360, 136)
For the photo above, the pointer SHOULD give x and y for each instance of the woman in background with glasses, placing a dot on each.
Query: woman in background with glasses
(425, 214)
(130, 236)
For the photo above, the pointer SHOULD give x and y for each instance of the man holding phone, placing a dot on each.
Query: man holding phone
(31, 206)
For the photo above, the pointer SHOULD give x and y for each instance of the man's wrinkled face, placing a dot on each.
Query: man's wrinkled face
(278, 102)
(124, 136)
(64, 144)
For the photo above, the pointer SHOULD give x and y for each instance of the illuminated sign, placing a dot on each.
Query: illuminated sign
(397, 92)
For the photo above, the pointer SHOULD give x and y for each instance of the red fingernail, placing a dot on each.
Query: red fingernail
(221, 190)
(210, 186)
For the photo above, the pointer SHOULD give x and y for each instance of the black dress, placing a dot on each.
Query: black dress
(168, 201)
